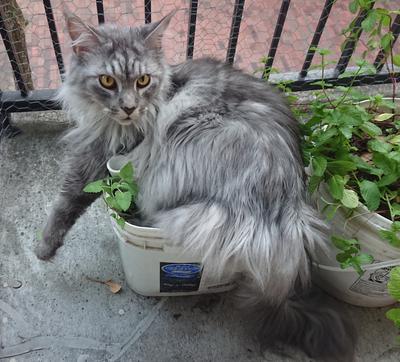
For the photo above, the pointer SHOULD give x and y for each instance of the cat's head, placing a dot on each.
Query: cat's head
(118, 73)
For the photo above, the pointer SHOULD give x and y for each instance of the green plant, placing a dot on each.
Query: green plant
(351, 140)
(354, 150)
(394, 290)
(119, 193)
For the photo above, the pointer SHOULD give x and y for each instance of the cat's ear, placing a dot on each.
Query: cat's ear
(83, 36)
(155, 31)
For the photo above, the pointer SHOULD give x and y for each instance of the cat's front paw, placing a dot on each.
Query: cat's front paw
(45, 249)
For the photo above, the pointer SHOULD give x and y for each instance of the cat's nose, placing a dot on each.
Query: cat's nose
(128, 110)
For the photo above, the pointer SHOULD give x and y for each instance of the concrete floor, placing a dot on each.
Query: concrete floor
(50, 311)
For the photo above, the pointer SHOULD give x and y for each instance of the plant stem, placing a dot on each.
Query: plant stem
(390, 207)
(323, 80)
(342, 99)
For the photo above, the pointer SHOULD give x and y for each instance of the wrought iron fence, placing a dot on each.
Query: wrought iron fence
(24, 99)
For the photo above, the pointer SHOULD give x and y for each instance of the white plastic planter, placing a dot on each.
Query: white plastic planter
(370, 289)
(154, 267)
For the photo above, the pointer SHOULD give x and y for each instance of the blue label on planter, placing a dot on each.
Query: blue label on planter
(180, 277)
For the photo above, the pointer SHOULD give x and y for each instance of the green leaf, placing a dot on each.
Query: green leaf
(390, 236)
(383, 117)
(363, 259)
(346, 131)
(371, 195)
(123, 199)
(383, 162)
(349, 199)
(396, 209)
(323, 51)
(365, 4)
(353, 6)
(396, 60)
(379, 146)
(369, 22)
(394, 156)
(394, 285)
(126, 172)
(371, 129)
(356, 266)
(330, 211)
(343, 244)
(318, 165)
(336, 186)
(112, 203)
(343, 259)
(386, 40)
(94, 187)
(341, 167)
(387, 180)
(120, 222)
(395, 140)
(364, 166)
(394, 315)
(326, 136)
(313, 183)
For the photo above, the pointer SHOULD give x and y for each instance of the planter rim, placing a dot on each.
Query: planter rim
(142, 228)
(366, 267)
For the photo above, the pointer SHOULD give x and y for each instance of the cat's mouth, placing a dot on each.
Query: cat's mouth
(125, 121)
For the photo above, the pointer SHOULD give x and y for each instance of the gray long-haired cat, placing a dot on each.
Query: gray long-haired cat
(218, 163)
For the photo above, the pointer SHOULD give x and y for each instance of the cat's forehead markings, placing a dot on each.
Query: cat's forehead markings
(136, 67)
(109, 69)
(131, 63)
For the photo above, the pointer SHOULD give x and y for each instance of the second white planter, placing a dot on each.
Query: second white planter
(370, 289)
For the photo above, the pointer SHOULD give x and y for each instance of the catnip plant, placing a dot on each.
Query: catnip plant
(119, 193)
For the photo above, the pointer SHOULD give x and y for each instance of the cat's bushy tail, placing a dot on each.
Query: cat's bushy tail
(271, 252)
(308, 321)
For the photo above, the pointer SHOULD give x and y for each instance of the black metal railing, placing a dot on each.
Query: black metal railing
(24, 100)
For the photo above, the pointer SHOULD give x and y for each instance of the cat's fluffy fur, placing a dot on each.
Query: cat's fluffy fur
(217, 158)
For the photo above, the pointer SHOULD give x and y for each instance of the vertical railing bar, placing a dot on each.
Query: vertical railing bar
(191, 29)
(147, 11)
(54, 36)
(100, 11)
(6, 128)
(316, 38)
(11, 56)
(395, 29)
(350, 44)
(235, 28)
(276, 37)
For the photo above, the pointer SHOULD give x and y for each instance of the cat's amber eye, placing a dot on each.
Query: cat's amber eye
(107, 81)
(143, 81)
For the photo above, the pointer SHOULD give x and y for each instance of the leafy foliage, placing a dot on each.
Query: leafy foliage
(392, 235)
(351, 140)
(394, 290)
(350, 254)
(119, 192)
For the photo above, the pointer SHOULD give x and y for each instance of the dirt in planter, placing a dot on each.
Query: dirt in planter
(132, 216)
